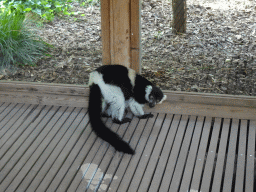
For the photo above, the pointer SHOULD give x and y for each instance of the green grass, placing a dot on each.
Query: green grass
(18, 45)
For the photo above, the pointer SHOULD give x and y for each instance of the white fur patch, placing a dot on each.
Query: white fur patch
(112, 95)
(115, 97)
(132, 76)
(164, 98)
(136, 108)
(95, 77)
(148, 91)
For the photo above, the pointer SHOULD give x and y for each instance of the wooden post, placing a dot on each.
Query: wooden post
(179, 9)
(135, 35)
(105, 31)
(120, 25)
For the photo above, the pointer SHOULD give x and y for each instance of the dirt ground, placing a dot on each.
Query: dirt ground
(217, 54)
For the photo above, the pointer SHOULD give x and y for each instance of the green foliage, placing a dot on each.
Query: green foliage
(18, 45)
(45, 8)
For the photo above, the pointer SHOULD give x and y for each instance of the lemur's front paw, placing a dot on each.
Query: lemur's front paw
(145, 116)
(125, 120)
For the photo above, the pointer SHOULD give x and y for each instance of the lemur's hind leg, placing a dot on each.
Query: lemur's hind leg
(117, 111)
(114, 103)
(105, 107)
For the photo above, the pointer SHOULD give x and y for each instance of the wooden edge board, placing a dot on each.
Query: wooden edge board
(215, 105)
(44, 99)
(43, 88)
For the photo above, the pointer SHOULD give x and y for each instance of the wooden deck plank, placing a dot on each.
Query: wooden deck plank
(74, 168)
(106, 162)
(145, 157)
(8, 111)
(93, 151)
(60, 142)
(32, 153)
(18, 128)
(1, 104)
(39, 157)
(52, 148)
(70, 158)
(174, 154)
(12, 154)
(192, 155)
(64, 148)
(180, 165)
(218, 174)
(156, 154)
(195, 183)
(92, 175)
(127, 136)
(128, 165)
(105, 156)
(230, 164)
(25, 152)
(155, 183)
(250, 166)
(10, 115)
(120, 161)
(13, 124)
(239, 185)
(210, 160)
(3, 107)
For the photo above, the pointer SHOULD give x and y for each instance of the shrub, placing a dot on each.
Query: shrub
(45, 8)
(18, 45)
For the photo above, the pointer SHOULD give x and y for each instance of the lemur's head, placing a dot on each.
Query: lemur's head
(154, 95)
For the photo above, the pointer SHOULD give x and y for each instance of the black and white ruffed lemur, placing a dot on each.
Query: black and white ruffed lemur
(113, 88)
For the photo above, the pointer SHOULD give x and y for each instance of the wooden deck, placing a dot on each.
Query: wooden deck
(52, 148)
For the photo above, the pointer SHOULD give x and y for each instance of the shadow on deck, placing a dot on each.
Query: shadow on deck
(52, 148)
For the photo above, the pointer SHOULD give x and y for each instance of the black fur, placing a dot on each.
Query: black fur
(118, 75)
(140, 89)
(95, 109)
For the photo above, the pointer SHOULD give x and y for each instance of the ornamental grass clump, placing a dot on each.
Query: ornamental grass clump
(18, 44)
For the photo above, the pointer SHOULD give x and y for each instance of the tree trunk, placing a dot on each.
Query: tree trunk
(179, 8)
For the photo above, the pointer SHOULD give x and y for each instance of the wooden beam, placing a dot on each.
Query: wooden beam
(214, 105)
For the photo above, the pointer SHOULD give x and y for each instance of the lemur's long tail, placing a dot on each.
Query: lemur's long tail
(95, 109)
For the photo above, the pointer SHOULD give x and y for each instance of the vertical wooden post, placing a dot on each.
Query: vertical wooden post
(136, 35)
(105, 31)
(120, 26)
(120, 32)
(179, 9)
